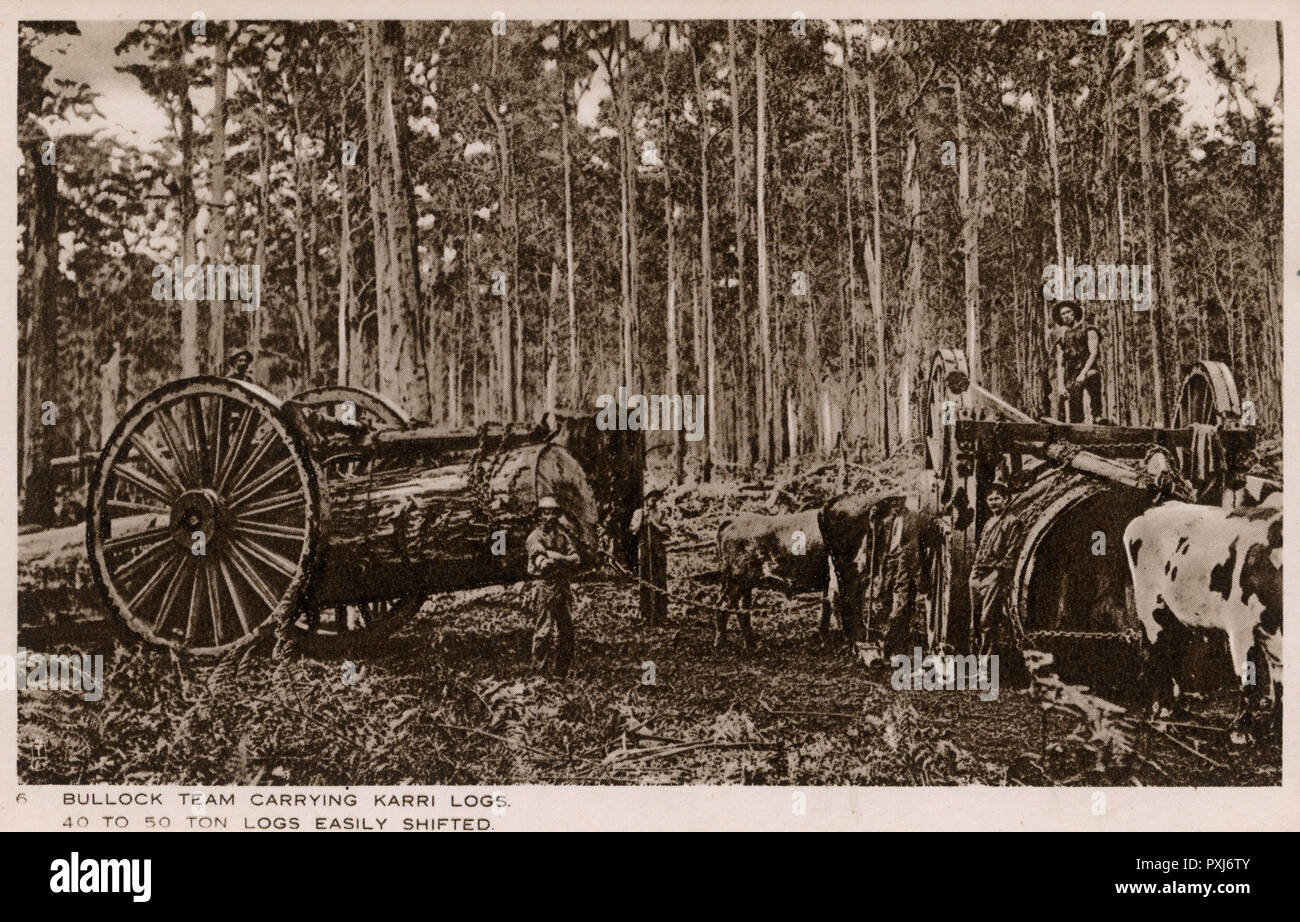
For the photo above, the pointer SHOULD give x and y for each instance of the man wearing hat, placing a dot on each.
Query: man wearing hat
(238, 364)
(1075, 348)
(553, 556)
(652, 556)
(992, 571)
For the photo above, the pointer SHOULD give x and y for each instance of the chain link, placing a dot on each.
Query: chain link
(1131, 636)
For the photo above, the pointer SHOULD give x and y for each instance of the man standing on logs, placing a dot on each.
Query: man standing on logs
(1075, 348)
(553, 556)
(991, 575)
(652, 557)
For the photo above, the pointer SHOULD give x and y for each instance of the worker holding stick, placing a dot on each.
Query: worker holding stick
(553, 556)
(652, 557)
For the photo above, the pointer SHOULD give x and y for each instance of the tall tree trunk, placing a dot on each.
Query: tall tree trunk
(768, 404)
(670, 315)
(873, 258)
(397, 293)
(1156, 324)
(972, 212)
(744, 390)
(706, 269)
(575, 367)
(217, 190)
(42, 346)
(345, 246)
(189, 256)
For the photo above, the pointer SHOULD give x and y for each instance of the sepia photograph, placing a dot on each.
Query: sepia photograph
(790, 402)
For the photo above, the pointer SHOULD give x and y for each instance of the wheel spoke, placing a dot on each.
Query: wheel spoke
(136, 478)
(214, 600)
(250, 468)
(152, 583)
(245, 568)
(233, 591)
(267, 556)
(124, 542)
(155, 460)
(262, 482)
(170, 596)
(130, 507)
(184, 460)
(272, 503)
(198, 428)
(271, 531)
(192, 620)
(128, 569)
(238, 445)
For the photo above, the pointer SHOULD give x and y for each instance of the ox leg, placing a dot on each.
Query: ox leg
(745, 628)
(1164, 656)
(1250, 666)
(720, 623)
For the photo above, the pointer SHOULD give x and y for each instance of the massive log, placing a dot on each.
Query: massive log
(444, 526)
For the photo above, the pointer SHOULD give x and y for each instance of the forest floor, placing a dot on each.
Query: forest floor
(449, 698)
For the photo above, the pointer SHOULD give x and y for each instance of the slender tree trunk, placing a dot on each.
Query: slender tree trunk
(42, 346)
(743, 389)
(575, 366)
(769, 403)
(706, 270)
(1156, 324)
(345, 246)
(189, 308)
(670, 316)
(217, 190)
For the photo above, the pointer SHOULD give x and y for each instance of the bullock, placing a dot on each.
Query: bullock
(855, 550)
(1204, 567)
(781, 552)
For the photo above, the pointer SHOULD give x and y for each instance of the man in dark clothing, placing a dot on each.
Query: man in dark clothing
(991, 575)
(652, 557)
(553, 556)
(1075, 351)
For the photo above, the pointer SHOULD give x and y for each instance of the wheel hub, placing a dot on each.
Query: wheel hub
(197, 510)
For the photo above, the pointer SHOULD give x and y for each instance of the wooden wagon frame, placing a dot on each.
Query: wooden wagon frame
(1102, 475)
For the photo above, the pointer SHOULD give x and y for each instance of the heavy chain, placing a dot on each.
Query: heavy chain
(1131, 636)
(693, 603)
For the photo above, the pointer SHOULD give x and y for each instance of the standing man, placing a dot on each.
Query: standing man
(553, 556)
(652, 557)
(1075, 349)
(991, 575)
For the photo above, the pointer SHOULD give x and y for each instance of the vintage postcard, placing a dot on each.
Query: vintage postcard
(699, 416)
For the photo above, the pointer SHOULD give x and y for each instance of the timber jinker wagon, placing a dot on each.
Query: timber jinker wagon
(1075, 488)
(217, 511)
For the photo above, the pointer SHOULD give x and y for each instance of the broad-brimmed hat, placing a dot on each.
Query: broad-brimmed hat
(239, 354)
(651, 491)
(548, 502)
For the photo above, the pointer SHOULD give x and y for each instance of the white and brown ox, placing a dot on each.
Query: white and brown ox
(1204, 567)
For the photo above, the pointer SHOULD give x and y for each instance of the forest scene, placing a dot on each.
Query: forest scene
(822, 238)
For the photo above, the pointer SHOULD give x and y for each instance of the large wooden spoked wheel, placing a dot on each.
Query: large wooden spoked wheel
(334, 625)
(203, 516)
(1208, 396)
